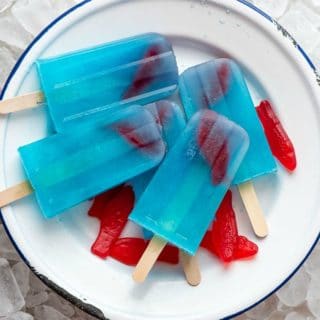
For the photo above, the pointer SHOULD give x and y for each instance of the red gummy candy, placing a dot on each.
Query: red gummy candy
(245, 248)
(207, 242)
(101, 200)
(169, 254)
(130, 250)
(113, 220)
(224, 241)
(279, 141)
(224, 230)
(217, 157)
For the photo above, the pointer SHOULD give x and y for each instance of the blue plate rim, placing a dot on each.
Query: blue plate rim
(93, 311)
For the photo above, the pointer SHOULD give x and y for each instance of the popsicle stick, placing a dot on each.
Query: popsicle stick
(254, 209)
(27, 101)
(15, 193)
(148, 259)
(191, 268)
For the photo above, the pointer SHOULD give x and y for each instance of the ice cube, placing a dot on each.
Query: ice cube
(62, 5)
(314, 289)
(7, 62)
(274, 8)
(36, 299)
(21, 273)
(7, 250)
(24, 12)
(306, 11)
(294, 292)
(60, 305)
(297, 316)
(19, 316)
(5, 4)
(276, 315)
(283, 308)
(314, 307)
(36, 284)
(312, 264)
(300, 26)
(81, 315)
(241, 317)
(11, 299)
(314, 4)
(48, 313)
(37, 294)
(264, 309)
(12, 33)
(313, 297)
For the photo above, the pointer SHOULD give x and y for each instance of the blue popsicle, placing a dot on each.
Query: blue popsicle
(136, 70)
(76, 165)
(220, 86)
(172, 121)
(188, 187)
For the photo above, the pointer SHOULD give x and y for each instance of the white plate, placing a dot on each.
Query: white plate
(58, 250)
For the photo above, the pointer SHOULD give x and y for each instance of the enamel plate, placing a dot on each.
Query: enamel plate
(276, 68)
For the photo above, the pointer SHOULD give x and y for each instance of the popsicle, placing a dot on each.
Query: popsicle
(70, 167)
(135, 70)
(171, 120)
(220, 85)
(188, 187)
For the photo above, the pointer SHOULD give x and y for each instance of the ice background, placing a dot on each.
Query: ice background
(22, 295)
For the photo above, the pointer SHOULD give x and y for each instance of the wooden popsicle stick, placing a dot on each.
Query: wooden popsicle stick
(254, 210)
(15, 193)
(191, 268)
(27, 101)
(148, 259)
